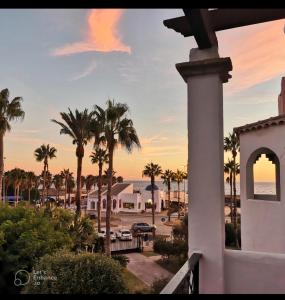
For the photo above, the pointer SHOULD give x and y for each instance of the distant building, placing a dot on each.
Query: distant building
(124, 199)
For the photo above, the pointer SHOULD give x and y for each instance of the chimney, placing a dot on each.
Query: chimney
(281, 98)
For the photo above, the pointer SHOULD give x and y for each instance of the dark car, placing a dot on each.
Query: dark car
(142, 227)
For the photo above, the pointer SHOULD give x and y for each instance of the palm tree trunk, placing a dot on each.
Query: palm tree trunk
(108, 210)
(178, 213)
(1, 161)
(29, 192)
(152, 206)
(78, 186)
(99, 196)
(169, 187)
(235, 204)
(44, 184)
(65, 192)
(231, 199)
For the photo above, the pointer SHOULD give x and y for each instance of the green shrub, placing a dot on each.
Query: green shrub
(158, 285)
(122, 259)
(163, 247)
(77, 274)
(230, 235)
(25, 236)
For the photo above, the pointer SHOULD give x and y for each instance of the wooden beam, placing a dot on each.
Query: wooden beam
(222, 19)
(203, 32)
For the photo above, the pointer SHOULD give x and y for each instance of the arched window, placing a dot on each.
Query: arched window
(114, 203)
(104, 203)
(265, 160)
(92, 204)
(120, 203)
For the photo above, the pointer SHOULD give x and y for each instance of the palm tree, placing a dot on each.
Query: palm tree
(178, 177)
(31, 179)
(58, 183)
(120, 179)
(44, 153)
(151, 170)
(231, 143)
(9, 111)
(17, 176)
(99, 156)
(77, 126)
(65, 175)
(90, 182)
(70, 187)
(113, 128)
(167, 177)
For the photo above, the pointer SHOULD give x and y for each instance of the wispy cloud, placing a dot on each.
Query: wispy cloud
(103, 34)
(257, 56)
(89, 70)
(168, 119)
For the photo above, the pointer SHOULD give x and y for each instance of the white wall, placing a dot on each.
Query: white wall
(131, 198)
(263, 222)
(254, 272)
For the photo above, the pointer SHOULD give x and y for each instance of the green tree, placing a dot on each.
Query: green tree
(9, 111)
(113, 128)
(152, 170)
(231, 144)
(45, 153)
(77, 126)
(99, 156)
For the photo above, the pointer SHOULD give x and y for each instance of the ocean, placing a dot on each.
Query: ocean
(260, 187)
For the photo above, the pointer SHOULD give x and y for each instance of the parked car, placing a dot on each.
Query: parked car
(124, 235)
(142, 227)
(175, 215)
(102, 233)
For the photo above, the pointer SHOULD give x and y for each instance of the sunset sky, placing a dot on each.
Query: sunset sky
(57, 59)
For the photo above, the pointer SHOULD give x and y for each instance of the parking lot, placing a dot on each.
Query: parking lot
(125, 221)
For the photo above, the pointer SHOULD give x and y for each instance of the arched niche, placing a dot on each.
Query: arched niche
(271, 156)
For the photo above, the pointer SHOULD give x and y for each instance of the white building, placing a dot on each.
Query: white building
(124, 199)
(259, 267)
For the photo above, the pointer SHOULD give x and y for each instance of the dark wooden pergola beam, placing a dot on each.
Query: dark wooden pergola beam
(202, 23)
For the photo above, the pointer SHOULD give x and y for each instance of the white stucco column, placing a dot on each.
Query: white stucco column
(205, 75)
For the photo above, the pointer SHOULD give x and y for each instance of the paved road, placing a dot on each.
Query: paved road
(146, 269)
(126, 221)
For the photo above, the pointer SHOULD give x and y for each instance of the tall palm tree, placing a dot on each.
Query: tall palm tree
(65, 175)
(100, 157)
(77, 126)
(9, 111)
(167, 177)
(231, 144)
(31, 178)
(152, 170)
(228, 169)
(178, 177)
(44, 153)
(113, 128)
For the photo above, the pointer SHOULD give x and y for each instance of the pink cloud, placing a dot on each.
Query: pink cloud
(257, 54)
(102, 36)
